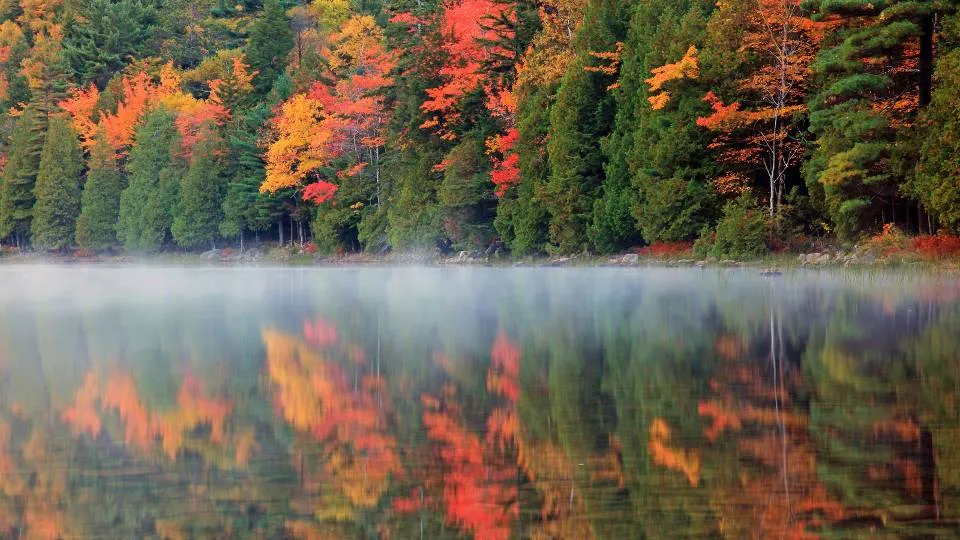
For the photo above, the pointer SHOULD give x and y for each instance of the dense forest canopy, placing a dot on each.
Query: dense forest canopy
(532, 127)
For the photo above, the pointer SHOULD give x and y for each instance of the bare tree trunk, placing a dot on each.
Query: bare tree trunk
(280, 228)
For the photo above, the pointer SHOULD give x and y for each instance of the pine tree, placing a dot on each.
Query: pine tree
(100, 203)
(106, 36)
(197, 217)
(20, 175)
(154, 169)
(58, 188)
(870, 83)
(466, 196)
(270, 41)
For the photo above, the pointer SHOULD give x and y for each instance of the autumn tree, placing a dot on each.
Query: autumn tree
(763, 122)
(100, 202)
(58, 188)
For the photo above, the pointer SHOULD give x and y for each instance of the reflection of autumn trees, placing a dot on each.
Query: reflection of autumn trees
(341, 411)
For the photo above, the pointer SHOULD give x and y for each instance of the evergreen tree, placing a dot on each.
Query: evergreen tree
(100, 203)
(105, 36)
(581, 116)
(936, 182)
(870, 83)
(20, 175)
(154, 170)
(521, 217)
(57, 189)
(466, 196)
(660, 151)
(197, 218)
(270, 41)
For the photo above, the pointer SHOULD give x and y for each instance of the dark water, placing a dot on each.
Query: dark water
(409, 403)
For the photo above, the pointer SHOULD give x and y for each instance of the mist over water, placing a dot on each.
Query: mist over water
(474, 402)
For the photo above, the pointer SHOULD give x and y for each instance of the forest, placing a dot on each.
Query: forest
(511, 126)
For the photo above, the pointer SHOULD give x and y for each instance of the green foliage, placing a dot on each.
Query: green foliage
(100, 203)
(20, 175)
(662, 153)
(741, 233)
(466, 196)
(581, 115)
(57, 189)
(105, 36)
(154, 169)
(936, 183)
(197, 216)
(861, 101)
(270, 41)
(521, 215)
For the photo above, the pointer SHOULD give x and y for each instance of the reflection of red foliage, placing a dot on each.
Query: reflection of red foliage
(320, 333)
(476, 492)
(502, 377)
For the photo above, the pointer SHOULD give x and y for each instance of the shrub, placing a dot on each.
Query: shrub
(941, 246)
(891, 240)
(667, 249)
(741, 233)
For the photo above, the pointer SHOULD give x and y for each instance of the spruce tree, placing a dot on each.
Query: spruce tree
(100, 203)
(154, 170)
(20, 175)
(197, 217)
(58, 188)
(270, 41)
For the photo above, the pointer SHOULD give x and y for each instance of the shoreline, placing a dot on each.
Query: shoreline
(254, 258)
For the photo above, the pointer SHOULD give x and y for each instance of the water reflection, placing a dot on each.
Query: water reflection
(376, 403)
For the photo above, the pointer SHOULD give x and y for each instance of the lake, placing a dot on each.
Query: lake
(477, 403)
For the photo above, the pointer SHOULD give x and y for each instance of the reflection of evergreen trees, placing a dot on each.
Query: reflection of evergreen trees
(655, 406)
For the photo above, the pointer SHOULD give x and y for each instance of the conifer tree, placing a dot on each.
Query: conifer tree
(100, 203)
(873, 78)
(154, 168)
(581, 116)
(58, 188)
(270, 41)
(198, 213)
(19, 177)
(105, 37)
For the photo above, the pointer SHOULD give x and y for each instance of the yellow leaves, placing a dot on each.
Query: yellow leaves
(685, 461)
(330, 13)
(357, 38)
(687, 68)
(301, 146)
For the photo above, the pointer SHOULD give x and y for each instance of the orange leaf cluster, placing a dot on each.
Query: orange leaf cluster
(685, 461)
(687, 67)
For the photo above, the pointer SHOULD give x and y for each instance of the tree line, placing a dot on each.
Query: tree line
(534, 127)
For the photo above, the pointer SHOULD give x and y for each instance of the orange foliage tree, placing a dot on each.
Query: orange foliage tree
(343, 121)
(762, 127)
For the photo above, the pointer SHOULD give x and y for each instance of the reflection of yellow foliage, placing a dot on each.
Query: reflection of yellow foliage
(304, 530)
(840, 366)
(685, 461)
(314, 396)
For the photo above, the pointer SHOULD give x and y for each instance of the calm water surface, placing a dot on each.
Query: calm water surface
(477, 403)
